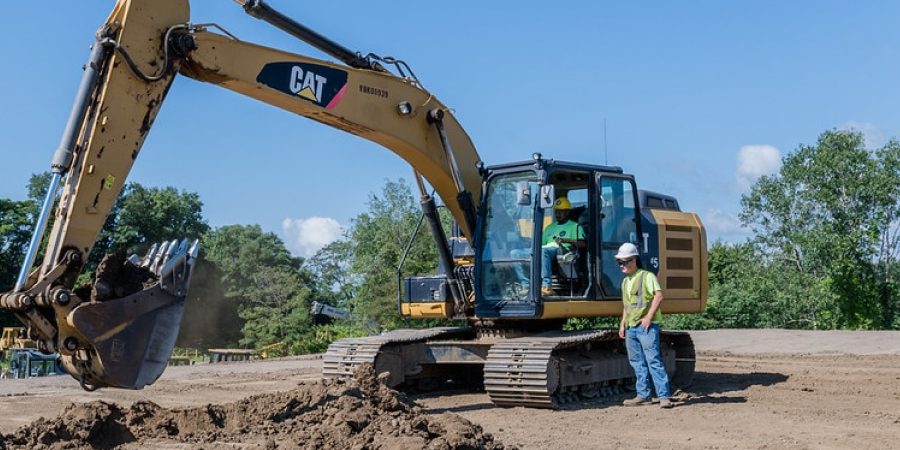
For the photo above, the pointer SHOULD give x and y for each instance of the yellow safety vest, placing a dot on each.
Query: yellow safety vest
(637, 300)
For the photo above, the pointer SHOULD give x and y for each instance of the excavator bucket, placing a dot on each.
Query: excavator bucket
(132, 337)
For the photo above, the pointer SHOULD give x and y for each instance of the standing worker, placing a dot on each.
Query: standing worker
(642, 295)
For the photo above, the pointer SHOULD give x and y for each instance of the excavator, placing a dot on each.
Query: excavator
(120, 330)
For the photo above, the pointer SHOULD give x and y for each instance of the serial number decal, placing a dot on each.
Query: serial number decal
(383, 93)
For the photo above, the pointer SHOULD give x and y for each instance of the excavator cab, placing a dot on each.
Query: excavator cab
(511, 260)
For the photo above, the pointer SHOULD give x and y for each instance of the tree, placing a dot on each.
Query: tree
(361, 268)
(378, 238)
(331, 264)
(37, 187)
(887, 257)
(279, 308)
(16, 223)
(830, 217)
(143, 216)
(17, 219)
(267, 285)
(241, 250)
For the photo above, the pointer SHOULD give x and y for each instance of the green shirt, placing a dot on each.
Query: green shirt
(568, 230)
(635, 307)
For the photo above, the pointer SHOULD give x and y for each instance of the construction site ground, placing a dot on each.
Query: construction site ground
(753, 389)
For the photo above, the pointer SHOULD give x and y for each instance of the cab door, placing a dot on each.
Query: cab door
(619, 223)
(504, 269)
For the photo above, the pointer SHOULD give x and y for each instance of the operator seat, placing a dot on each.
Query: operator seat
(573, 265)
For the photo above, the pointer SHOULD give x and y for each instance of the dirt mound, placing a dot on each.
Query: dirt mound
(359, 413)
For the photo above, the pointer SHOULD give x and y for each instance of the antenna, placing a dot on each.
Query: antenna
(605, 150)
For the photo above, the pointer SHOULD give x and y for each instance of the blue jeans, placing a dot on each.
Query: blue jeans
(645, 359)
(519, 268)
(548, 254)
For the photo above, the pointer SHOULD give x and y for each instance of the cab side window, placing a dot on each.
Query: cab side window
(618, 225)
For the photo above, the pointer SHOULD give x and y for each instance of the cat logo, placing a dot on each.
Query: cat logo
(308, 86)
(322, 85)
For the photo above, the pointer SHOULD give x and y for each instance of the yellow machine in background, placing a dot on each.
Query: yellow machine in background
(14, 337)
(121, 335)
(273, 350)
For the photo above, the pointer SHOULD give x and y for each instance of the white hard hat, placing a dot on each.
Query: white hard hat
(627, 250)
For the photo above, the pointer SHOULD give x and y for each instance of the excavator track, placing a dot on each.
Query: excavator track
(552, 369)
(546, 370)
(345, 355)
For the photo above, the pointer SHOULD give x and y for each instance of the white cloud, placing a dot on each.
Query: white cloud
(722, 225)
(304, 237)
(873, 135)
(754, 161)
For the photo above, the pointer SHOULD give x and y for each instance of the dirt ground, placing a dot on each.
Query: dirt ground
(753, 389)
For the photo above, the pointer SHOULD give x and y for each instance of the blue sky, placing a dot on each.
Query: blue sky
(698, 97)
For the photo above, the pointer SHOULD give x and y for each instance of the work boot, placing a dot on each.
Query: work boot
(665, 403)
(637, 401)
(547, 291)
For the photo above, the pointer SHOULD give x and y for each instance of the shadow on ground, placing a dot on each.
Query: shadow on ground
(706, 383)
(714, 387)
(711, 388)
(477, 406)
(479, 399)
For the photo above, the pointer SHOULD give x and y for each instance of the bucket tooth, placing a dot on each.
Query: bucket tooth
(158, 257)
(148, 258)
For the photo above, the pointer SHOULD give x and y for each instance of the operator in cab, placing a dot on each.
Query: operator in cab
(560, 236)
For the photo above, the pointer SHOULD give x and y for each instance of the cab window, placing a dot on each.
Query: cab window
(507, 237)
(618, 225)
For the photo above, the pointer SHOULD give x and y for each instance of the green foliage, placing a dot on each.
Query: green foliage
(825, 245)
(267, 285)
(37, 187)
(377, 238)
(143, 216)
(592, 323)
(828, 220)
(361, 269)
(333, 280)
(240, 250)
(278, 310)
(246, 288)
(16, 223)
(767, 297)
(17, 219)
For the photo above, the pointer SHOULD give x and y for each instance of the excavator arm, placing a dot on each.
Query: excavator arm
(120, 332)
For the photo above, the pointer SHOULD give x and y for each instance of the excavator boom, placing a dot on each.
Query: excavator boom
(375, 105)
